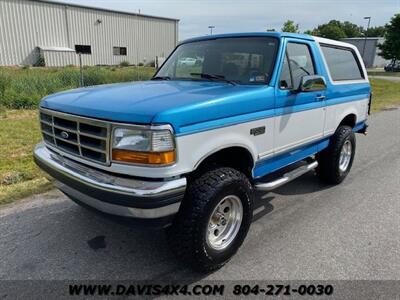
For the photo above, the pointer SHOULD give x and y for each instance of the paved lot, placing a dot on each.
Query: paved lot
(308, 230)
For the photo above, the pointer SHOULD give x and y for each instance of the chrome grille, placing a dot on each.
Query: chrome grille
(82, 137)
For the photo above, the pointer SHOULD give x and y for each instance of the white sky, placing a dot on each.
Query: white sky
(253, 15)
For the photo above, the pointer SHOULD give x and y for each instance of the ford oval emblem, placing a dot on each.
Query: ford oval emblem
(64, 135)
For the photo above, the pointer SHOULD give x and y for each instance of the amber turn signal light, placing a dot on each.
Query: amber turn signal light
(150, 158)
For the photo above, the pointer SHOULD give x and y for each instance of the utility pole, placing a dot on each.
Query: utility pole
(365, 38)
(81, 82)
(211, 27)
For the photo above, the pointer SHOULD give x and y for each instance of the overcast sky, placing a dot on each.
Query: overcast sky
(254, 15)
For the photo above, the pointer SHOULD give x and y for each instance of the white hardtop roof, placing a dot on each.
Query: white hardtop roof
(321, 40)
(363, 38)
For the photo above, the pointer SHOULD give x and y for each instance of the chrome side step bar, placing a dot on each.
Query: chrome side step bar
(269, 186)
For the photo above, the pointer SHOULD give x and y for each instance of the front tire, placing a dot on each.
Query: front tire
(214, 219)
(335, 162)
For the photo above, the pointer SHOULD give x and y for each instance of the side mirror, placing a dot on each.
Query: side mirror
(312, 83)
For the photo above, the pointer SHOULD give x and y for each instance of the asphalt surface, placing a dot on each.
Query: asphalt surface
(307, 230)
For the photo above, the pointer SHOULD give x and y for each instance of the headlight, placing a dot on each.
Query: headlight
(143, 146)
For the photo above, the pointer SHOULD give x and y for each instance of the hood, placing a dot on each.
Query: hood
(178, 103)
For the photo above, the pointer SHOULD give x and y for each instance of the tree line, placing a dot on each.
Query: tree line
(338, 30)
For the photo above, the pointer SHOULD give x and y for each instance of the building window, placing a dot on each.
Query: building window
(120, 51)
(83, 49)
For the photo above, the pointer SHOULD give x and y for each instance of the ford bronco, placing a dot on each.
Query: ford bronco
(188, 149)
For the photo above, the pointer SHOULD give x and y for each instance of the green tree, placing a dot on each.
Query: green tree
(337, 30)
(312, 32)
(378, 31)
(351, 30)
(331, 30)
(390, 49)
(290, 26)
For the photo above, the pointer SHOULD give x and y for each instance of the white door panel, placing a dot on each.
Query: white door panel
(303, 115)
(298, 128)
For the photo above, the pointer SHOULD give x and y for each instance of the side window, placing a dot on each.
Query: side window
(285, 82)
(342, 63)
(297, 63)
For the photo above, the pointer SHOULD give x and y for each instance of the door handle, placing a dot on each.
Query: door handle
(320, 98)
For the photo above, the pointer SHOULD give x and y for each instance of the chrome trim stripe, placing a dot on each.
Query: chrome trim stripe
(106, 182)
(119, 210)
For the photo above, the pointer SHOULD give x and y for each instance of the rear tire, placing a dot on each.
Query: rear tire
(335, 162)
(207, 231)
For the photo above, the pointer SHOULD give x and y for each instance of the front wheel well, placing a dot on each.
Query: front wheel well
(237, 157)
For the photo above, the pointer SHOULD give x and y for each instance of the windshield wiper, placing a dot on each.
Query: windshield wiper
(213, 77)
(161, 78)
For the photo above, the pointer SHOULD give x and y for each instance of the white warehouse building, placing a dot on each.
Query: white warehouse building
(369, 50)
(33, 30)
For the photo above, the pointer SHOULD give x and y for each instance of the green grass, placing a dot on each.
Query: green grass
(24, 87)
(19, 177)
(386, 94)
(19, 132)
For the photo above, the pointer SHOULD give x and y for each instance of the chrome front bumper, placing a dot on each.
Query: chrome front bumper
(110, 193)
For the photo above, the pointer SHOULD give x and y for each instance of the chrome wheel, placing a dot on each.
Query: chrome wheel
(224, 223)
(345, 156)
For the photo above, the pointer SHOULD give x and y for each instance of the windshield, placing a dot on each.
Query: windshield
(247, 60)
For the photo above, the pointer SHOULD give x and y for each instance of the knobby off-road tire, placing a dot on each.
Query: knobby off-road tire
(195, 236)
(334, 163)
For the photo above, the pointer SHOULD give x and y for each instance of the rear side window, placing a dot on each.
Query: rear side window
(342, 63)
